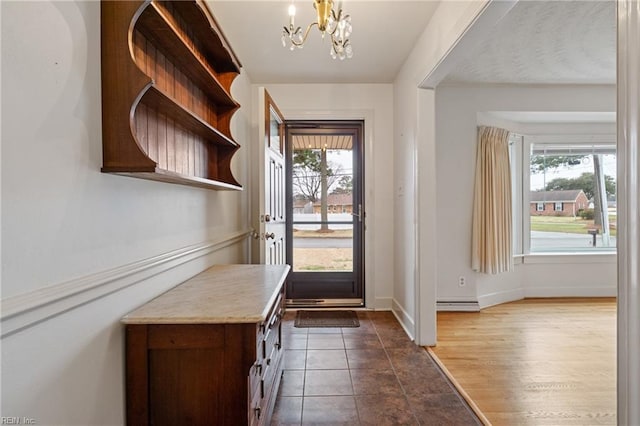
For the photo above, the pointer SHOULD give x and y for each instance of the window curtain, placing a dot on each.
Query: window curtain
(492, 251)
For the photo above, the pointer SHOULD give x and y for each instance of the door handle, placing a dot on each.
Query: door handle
(267, 218)
(268, 235)
(359, 214)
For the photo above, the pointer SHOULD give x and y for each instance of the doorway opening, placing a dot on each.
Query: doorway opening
(326, 217)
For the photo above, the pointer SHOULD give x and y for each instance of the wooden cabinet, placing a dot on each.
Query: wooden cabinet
(167, 71)
(208, 352)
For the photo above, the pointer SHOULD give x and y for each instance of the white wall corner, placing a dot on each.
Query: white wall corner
(427, 250)
(405, 320)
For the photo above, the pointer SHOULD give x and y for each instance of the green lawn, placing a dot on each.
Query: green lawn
(334, 233)
(565, 224)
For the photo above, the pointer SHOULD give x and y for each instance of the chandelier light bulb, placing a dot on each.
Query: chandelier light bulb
(292, 14)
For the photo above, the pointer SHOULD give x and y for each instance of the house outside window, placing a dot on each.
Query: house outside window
(579, 181)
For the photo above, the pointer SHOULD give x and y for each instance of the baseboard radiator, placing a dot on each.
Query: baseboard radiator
(457, 306)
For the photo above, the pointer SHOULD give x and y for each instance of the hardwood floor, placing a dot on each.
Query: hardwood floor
(535, 362)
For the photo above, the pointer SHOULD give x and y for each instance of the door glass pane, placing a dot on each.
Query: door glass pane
(323, 207)
(315, 251)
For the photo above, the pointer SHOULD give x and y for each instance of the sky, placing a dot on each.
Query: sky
(539, 180)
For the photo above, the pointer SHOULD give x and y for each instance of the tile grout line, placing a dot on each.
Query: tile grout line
(304, 377)
(393, 368)
(353, 390)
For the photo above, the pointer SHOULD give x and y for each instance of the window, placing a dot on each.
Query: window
(579, 180)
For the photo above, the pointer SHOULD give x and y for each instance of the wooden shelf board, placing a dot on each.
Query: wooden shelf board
(173, 177)
(218, 47)
(156, 27)
(156, 98)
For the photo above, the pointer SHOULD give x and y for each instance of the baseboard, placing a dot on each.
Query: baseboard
(24, 310)
(405, 320)
(383, 304)
(498, 297)
(455, 306)
(559, 291)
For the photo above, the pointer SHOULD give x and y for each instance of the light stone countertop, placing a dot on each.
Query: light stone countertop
(222, 294)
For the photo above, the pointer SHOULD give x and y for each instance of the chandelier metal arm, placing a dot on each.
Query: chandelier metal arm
(306, 33)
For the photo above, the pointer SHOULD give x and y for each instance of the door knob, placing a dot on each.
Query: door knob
(269, 235)
(267, 218)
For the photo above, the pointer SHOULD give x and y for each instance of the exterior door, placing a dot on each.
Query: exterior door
(272, 232)
(325, 226)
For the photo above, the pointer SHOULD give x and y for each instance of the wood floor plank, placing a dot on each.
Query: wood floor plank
(536, 361)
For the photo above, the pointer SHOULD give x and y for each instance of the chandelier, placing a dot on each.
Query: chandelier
(336, 24)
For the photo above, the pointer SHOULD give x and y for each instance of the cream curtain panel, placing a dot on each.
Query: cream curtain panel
(492, 233)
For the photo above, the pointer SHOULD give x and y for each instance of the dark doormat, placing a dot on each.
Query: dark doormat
(308, 319)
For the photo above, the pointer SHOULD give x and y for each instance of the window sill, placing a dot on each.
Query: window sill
(568, 257)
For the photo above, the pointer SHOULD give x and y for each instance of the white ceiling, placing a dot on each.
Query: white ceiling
(538, 42)
(383, 35)
(555, 116)
(547, 42)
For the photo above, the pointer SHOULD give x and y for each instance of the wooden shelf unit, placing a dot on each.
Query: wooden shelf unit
(166, 103)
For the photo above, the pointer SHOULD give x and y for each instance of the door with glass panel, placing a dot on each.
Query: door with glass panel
(326, 219)
(271, 235)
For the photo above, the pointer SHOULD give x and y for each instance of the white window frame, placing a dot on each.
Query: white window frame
(558, 204)
(525, 174)
(539, 207)
(516, 146)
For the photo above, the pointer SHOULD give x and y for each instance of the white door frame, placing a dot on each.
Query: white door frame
(628, 122)
(368, 183)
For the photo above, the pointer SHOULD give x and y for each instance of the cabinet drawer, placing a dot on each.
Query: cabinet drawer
(273, 317)
(256, 408)
(272, 338)
(273, 366)
(255, 377)
(271, 384)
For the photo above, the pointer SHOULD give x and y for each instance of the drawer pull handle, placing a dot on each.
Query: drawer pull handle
(257, 410)
(268, 361)
(278, 346)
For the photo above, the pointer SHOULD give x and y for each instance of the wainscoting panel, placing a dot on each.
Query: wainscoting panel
(24, 310)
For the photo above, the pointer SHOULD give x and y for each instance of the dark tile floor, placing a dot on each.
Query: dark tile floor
(369, 375)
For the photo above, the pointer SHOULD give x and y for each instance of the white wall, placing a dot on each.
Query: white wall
(457, 111)
(413, 146)
(374, 104)
(73, 237)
